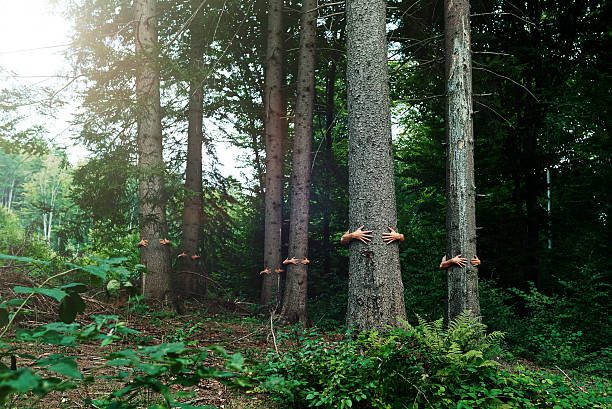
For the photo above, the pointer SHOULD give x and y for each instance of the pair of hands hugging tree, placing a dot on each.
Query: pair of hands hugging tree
(389, 237)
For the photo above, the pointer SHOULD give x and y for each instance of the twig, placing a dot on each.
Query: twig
(273, 336)
(495, 112)
(509, 79)
(8, 325)
(504, 14)
(571, 380)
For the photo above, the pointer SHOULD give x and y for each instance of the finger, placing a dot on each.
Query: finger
(361, 227)
(367, 231)
(367, 239)
(390, 229)
(365, 234)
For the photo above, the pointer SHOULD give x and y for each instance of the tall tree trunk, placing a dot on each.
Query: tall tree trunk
(296, 284)
(152, 206)
(376, 292)
(462, 291)
(328, 158)
(10, 195)
(275, 128)
(192, 211)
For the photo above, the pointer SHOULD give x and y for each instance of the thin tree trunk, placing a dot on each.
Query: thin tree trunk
(258, 167)
(328, 158)
(376, 292)
(275, 128)
(296, 284)
(152, 206)
(192, 211)
(10, 195)
(462, 291)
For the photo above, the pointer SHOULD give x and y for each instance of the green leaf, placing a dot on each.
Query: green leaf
(4, 317)
(51, 292)
(70, 307)
(236, 362)
(74, 287)
(113, 287)
(62, 365)
(26, 381)
(24, 259)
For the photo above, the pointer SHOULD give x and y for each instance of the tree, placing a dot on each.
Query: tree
(192, 210)
(275, 125)
(296, 284)
(376, 292)
(462, 282)
(152, 207)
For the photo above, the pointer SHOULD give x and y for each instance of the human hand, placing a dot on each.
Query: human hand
(143, 243)
(279, 270)
(363, 236)
(392, 236)
(195, 257)
(305, 261)
(293, 260)
(183, 254)
(165, 242)
(475, 261)
(266, 271)
(458, 260)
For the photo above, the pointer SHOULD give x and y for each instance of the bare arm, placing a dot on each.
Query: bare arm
(457, 260)
(363, 236)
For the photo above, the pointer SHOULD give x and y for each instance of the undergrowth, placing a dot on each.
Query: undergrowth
(416, 366)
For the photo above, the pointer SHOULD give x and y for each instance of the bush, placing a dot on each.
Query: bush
(422, 366)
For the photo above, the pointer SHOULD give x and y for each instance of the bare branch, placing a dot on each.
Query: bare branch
(509, 79)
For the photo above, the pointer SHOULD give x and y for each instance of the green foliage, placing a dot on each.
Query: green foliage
(156, 368)
(422, 366)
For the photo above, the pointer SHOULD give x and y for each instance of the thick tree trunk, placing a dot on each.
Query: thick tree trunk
(192, 211)
(376, 292)
(152, 206)
(462, 291)
(275, 128)
(328, 158)
(296, 283)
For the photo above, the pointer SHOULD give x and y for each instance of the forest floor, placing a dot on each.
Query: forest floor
(205, 323)
(229, 324)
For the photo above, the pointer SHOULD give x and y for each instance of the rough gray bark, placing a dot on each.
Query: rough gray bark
(376, 292)
(295, 307)
(192, 211)
(151, 198)
(462, 283)
(275, 123)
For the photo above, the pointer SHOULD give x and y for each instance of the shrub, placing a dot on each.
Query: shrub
(422, 366)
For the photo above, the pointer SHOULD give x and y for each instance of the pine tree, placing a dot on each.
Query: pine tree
(275, 123)
(152, 207)
(376, 292)
(462, 282)
(296, 284)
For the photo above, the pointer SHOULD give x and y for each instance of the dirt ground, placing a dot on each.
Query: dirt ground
(205, 323)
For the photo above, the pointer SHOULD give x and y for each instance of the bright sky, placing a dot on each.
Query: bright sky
(34, 37)
(33, 40)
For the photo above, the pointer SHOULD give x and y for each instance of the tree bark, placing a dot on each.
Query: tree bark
(296, 284)
(192, 211)
(275, 127)
(462, 283)
(328, 158)
(152, 206)
(376, 292)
